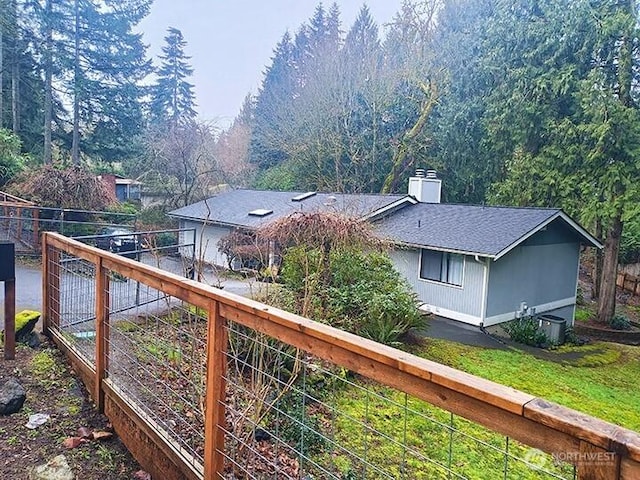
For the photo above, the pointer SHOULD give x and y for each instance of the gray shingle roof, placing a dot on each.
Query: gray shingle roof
(232, 207)
(473, 229)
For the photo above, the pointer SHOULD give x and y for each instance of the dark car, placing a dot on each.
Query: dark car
(118, 240)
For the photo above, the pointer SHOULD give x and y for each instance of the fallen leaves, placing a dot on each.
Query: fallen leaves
(86, 435)
(73, 442)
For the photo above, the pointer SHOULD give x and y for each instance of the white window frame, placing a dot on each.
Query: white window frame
(444, 270)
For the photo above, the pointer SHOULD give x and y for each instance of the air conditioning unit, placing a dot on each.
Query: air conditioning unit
(553, 327)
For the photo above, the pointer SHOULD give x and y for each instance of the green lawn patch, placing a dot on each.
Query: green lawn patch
(599, 379)
(376, 426)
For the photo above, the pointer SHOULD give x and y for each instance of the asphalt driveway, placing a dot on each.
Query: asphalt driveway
(29, 283)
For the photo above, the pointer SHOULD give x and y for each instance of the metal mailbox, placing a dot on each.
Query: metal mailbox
(7, 261)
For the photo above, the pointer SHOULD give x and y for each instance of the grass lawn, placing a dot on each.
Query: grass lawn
(412, 439)
(600, 379)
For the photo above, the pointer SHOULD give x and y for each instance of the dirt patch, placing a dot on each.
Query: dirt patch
(53, 389)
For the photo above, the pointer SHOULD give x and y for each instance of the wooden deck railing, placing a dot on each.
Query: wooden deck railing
(530, 420)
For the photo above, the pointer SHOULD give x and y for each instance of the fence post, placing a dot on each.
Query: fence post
(10, 319)
(215, 406)
(102, 332)
(595, 463)
(36, 228)
(50, 286)
(19, 228)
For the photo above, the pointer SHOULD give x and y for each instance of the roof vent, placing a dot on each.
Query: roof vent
(420, 172)
(331, 200)
(303, 196)
(430, 174)
(260, 212)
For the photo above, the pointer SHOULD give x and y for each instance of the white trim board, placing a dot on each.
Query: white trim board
(453, 315)
(541, 308)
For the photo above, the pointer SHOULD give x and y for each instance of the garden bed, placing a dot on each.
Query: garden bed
(597, 331)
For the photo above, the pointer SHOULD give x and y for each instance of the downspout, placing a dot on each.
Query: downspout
(485, 290)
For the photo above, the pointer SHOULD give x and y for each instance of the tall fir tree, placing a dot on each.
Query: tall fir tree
(106, 63)
(273, 107)
(173, 100)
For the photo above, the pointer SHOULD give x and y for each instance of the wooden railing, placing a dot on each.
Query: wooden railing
(530, 420)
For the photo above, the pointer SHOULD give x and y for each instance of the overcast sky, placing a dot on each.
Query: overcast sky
(231, 41)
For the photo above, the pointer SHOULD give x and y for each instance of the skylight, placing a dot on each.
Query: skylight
(303, 196)
(260, 212)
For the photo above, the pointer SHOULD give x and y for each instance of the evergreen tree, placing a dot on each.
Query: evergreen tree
(567, 119)
(106, 62)
(173, 100)
(459, 149)
(273, 107)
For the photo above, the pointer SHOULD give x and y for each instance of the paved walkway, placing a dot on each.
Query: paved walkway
(446, 329)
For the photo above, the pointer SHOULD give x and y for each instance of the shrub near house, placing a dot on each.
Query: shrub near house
(365, 296)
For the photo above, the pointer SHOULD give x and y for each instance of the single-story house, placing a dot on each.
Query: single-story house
(124, 189)
(477, 264)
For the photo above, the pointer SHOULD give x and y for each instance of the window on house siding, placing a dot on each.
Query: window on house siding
(441, 267)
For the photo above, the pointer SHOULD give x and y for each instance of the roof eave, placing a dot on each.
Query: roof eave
(590, 239)
(442, 249)
(203, 221)
(397, 203)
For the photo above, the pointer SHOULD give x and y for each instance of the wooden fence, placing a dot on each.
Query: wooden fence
(533, 421)
(628, 283)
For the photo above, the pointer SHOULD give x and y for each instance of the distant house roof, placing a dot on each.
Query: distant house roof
(473, 229)
(476, 230)
(235, 207)
(126, 181)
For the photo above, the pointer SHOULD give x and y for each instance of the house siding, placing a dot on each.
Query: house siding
(207, 242)
(461, 303)
(539, 273)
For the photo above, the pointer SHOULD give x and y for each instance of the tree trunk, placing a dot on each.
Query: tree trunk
(597, 264)
(15, 95)
(75, 145)
(607, 298)
(400, 162)
(15, 71)
(1, 65)
(48, 94)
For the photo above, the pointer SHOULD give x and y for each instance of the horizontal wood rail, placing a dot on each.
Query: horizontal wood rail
(533, 421)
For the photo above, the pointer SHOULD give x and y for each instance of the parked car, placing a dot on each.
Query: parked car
(118, 240)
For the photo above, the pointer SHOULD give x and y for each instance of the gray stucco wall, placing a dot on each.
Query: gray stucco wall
(465, 300)
(537, 273)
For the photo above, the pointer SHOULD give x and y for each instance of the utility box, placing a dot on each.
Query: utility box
(553, 327)
(7, 261)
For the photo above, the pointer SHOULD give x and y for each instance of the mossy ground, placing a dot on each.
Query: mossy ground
(601, 380)
(598, 379)
(52, 388)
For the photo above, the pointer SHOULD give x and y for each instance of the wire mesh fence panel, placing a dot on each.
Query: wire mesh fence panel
(77, 285)
(291, 415)
(157, 359)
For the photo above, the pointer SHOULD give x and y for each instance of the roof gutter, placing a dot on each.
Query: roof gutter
(475, 255)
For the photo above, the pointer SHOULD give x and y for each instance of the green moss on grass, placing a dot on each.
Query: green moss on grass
(43, 364)
(601, 383)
